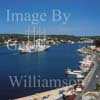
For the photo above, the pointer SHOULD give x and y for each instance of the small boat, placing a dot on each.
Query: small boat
(77, 71)
(78, 89)
(84, 68)
(79, 50)
(79, 76)
(74, 72)
(68, 71)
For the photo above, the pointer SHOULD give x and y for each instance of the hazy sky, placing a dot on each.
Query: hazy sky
(84, 16)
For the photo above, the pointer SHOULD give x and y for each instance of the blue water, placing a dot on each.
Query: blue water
(49, 64)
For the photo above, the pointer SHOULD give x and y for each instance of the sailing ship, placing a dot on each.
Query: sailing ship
(37, 46)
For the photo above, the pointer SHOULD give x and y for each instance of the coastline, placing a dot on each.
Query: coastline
(56, 91)
(53, 93)
(91, 75)
(39, 92)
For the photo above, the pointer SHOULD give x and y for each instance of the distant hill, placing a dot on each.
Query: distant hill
(23, 37)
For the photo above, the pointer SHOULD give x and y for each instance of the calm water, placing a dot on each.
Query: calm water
(50, 64)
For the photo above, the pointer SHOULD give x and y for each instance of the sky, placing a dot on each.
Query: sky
(84, 19)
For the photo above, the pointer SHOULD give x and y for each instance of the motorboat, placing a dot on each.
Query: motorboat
(74, 72)
(79, 76)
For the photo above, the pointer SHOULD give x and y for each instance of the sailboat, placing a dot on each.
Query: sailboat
(38, 45)
(26, 48)
(41, 44)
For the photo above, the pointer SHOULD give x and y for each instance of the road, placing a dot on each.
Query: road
(93, 81)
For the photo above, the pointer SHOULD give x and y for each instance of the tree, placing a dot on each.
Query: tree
(97, 43)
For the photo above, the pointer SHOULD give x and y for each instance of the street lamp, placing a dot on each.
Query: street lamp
(97, 77)
(97, 85)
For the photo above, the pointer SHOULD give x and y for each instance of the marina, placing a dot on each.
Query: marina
(67, 91)
(59, 56)
(50, 50)
(75, 89)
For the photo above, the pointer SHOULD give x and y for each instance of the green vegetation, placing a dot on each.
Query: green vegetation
(97, 86)
(65, 37)
(23, 37)
(97, 42)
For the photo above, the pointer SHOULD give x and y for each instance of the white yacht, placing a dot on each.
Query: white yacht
(79, 76)
(74, 72)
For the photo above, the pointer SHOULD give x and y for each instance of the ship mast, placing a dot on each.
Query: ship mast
(34, 34)
(39, 36)
(44, 37)
(28, 35)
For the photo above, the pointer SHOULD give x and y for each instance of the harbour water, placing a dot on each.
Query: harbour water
(49, 64)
